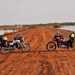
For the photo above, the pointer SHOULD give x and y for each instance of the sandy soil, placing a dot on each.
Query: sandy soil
(38, 61)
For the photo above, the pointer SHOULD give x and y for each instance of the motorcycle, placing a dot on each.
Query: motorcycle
(11, 46)
(65, 43)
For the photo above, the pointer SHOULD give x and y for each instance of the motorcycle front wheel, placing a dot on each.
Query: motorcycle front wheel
(51, 46)
(25, 46)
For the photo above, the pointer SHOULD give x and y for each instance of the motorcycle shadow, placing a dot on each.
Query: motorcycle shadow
(12, 50)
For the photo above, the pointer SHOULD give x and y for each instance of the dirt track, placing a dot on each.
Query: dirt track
(59, 62)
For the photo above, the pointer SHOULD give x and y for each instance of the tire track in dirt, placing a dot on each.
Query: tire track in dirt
(44, 39)
(8, 62)
(56, 63)
(62, 64)
(3, 58)
(45, 67)
(62, 67)
(25, 70)
(36, 41)
(46, 35)
(70, 62)
(17, 66)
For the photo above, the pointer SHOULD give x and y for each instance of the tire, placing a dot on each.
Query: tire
(51, 46)
(25, 46)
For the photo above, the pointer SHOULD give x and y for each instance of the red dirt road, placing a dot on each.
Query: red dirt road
(59, 62)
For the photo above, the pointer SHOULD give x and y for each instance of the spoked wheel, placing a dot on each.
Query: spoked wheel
(51, 46)
(25, 46)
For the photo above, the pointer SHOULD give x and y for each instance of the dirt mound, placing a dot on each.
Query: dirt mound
(38, 37)
(60, 62)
